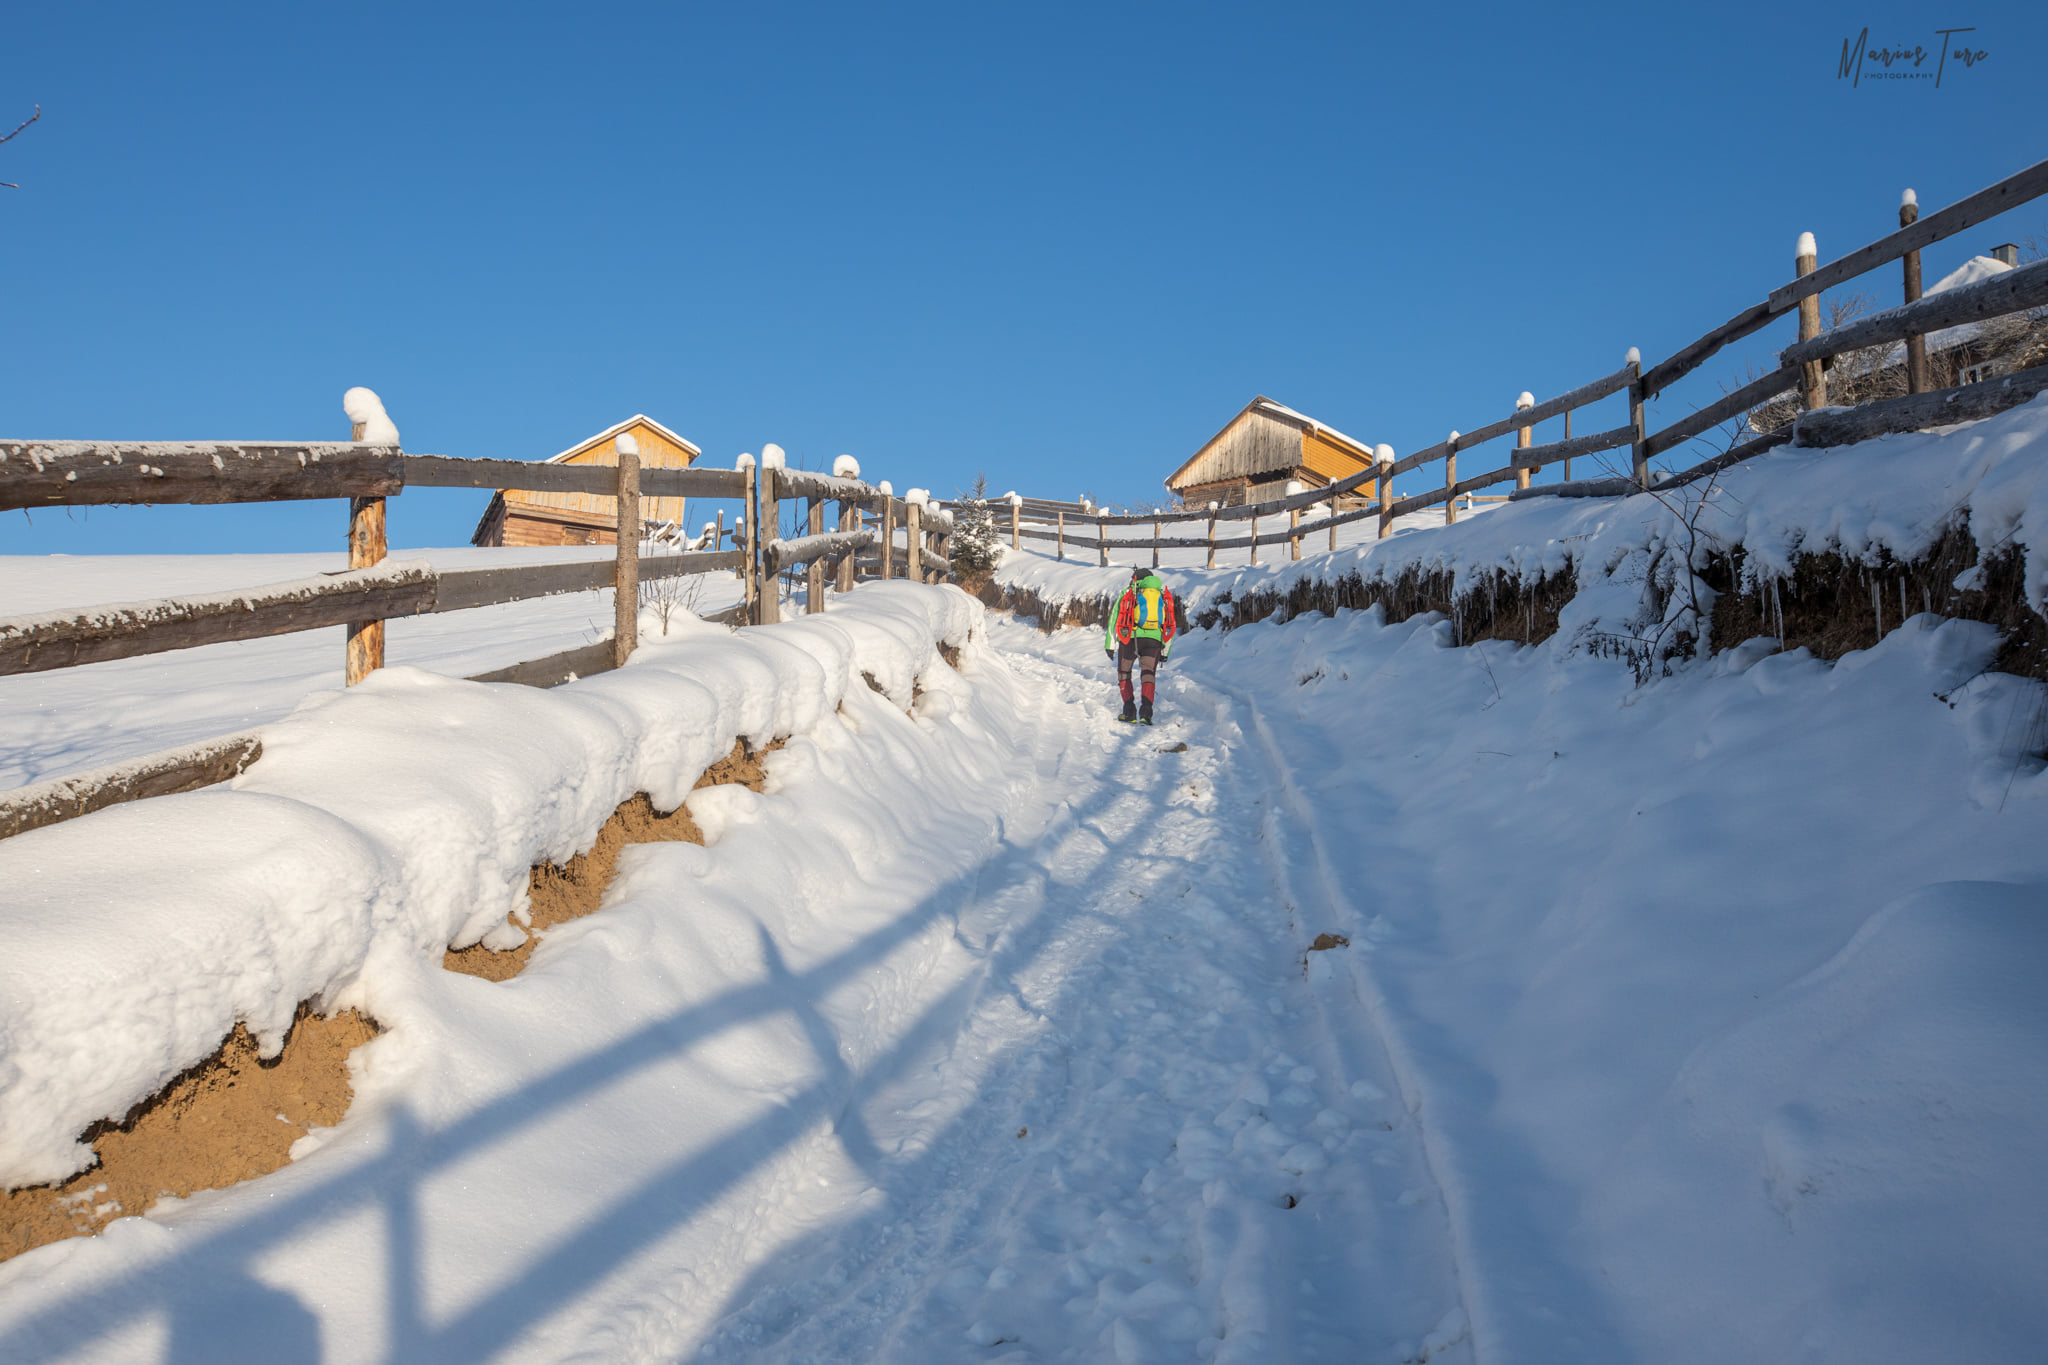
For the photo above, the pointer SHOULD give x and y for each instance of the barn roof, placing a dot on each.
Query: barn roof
(612, 431)
(1266, 407)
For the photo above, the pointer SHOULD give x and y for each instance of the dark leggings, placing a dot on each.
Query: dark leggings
(1146, 652)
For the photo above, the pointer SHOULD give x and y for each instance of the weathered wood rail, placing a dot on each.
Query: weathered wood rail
(40, 474)
(1801, 368)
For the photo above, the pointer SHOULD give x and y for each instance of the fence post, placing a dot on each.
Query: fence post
(913, 521)
(814, 572)
(1916, 345)
(750, 562)
(1451, 480)
(1255, 537)
(1639, 452)
(766, 514)
(1212, 536)
(1294, 522)
(1101, 543)
(1016, 519)
(1155, 542)
(1384, 486)
(888, 536)
(626, 578)
(1524, 436)
(1060, 539)
(363, 653)
(849, 520)
(1567, 437)
(1813, 380)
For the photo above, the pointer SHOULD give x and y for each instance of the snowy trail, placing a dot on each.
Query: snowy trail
(1179, 1136)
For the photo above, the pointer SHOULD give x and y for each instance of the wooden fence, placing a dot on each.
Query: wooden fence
(909, 540)
(1801, 368)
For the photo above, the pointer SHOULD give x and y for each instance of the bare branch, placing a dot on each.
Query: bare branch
(24, 123)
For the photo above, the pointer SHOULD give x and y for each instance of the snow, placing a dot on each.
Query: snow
(1634, 356)
(364, 406)
(772, 456)
(1973, 271)
(1525, 399)
(745, 460)
(1909, 198)
(1690, 1021)
(60, 722)
(1895, 494)
(845, 467)
(1807, 246)
(626, 444)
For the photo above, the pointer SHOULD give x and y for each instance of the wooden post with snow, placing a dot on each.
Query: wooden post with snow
(1524, 437)
(849, 520)
(913, 520)
(1255, 538)
(1567, 441)
(1451, 479)
(1916, 345)
(1294, 522)
(363, 653)
(888, 534)
(1155, 542)
(767, 519)
(814, 572)
(1101, 543)
(750, 564)
(1060, 538)
(626, 579)
(1813, 380)
(1212, 536)
(1384, 486)
(1016, 522)
(1639, 449)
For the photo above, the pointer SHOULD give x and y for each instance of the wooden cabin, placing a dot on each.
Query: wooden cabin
(521, 517)
(1260, 449)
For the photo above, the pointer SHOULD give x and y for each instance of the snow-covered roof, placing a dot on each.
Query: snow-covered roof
(609, 432)
(1264, 404)
(1969, 272)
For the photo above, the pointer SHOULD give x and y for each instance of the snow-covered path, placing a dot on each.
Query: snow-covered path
(1179, 1140)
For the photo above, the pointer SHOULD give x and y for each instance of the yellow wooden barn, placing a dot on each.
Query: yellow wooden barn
(520, 517)
(1260, 449)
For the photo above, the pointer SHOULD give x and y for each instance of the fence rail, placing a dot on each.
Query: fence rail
(1801, 368)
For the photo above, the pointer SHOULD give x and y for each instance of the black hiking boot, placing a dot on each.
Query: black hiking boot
(1130, 714)
(1145, 714)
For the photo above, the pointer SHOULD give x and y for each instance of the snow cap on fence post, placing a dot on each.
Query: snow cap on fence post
(1807, 246)
(886, 489)
(1295, 486)
(1634, 357)
(772, 457)
(845, 467)
(745, 460)
(366, 411)
(625, 444)
(1909, 198)
(1524, 399)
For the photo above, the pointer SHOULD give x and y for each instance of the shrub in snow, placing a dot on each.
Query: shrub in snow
(366, 409)
(976, 546)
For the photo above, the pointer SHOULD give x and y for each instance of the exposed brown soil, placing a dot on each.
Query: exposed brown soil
(1831, 605)
(1325, 942)
(1500, 607)
(234, 1117)
(558, 894)
(231, 1118)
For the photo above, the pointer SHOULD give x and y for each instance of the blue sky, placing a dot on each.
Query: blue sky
(1061, 245)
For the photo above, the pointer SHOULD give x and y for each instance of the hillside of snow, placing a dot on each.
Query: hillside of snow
(1395, 999)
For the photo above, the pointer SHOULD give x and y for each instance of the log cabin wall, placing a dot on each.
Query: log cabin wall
(520, 517)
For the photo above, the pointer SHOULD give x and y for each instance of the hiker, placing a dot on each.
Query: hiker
(1141, 629)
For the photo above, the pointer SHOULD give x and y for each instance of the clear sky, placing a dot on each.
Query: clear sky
(1061, 245)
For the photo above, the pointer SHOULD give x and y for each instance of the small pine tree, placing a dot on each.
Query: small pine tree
(976, 546)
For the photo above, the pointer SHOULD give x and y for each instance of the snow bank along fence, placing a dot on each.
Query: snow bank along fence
(37, 474)
(1802, 367)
